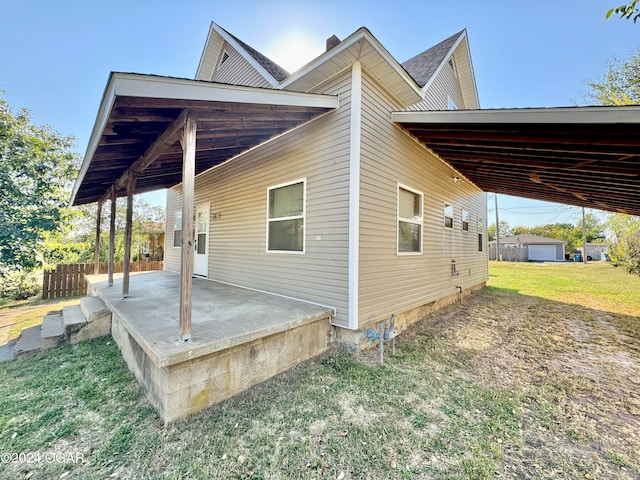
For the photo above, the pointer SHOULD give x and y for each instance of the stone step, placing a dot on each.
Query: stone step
(29, 341)
(94, 309)
(52, 332)
(73, 319)
(6, 351)
(77, 326)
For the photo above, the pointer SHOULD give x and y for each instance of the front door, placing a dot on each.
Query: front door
(201, 257)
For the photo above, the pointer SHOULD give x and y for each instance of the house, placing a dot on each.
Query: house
(347, 210)
(528, 248)
(595, 251)
(304, 208)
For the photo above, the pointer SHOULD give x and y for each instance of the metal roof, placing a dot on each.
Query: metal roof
(584, 156)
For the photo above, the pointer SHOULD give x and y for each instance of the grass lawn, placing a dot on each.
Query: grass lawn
(537, 376)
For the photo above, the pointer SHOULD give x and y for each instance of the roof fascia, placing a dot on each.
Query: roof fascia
(252, 61)
(445, 60)
(205, 50)
(149, 86)
(555, 115)
(472, 72)
(360, 34)
(108, 98)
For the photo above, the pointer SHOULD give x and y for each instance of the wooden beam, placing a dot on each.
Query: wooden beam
(188, 185)
(166, 139)
(96, 251)
(112, 237)
(131, 186)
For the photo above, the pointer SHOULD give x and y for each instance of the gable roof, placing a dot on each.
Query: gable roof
(423, 66)
(529, 239)
(269, 65)
(267, 68)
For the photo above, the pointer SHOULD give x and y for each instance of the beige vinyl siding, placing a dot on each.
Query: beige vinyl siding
(237, 191)
(172, 254)
(236, 70)
(390, 283)
(445, 85)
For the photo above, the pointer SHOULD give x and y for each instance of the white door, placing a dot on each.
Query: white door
(201, 255)
(542, 253)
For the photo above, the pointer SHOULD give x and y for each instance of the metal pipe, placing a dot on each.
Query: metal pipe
(381, 329)
(459, 287)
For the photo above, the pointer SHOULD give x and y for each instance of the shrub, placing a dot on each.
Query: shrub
(17, 284)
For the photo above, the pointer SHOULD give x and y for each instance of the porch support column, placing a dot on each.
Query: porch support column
(112, 238)
(96, 253)
(188, 142)
(131, 186)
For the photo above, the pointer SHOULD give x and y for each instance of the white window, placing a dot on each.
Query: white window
(480, 234)
(177, 230)
(448, 215)
(465, 220)
(409, 221)
(286, 217)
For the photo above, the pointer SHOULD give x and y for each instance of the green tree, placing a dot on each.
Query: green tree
(37, 168)
(621, 86)
(74, 240)
(505, 230)
(626, 11)
(623, 245)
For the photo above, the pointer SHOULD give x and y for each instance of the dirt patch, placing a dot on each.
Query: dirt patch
(577, 369)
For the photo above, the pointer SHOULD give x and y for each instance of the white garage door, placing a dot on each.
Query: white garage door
(541, 253)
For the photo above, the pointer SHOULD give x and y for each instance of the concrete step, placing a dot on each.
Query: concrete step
(29, 341)
(94, 309)
(52, 332)
(77, 326)
(73, 319)
(6, 351)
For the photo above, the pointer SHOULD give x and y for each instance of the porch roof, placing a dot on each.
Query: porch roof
(137, 120)
(584, 156)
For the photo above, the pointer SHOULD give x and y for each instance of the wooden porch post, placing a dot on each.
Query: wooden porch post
(112, 237)
(131, 186)
(188, 142)
(96, 253)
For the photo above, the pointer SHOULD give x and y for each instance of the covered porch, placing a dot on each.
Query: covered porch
(240, 337)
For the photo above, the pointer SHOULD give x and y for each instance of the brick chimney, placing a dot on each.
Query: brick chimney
(332, 41)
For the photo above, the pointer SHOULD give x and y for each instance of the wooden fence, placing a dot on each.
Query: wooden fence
(68, 280)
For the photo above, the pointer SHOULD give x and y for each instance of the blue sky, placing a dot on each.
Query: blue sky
(55, 57)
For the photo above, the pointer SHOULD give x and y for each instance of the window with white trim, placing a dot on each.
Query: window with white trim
(448, 215)
(480, 234)
(177, 230)
(409, 221)
(465, 220)
(286, 217)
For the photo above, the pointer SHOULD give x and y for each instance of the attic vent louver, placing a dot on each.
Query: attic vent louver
(332, 41)
(224, 58)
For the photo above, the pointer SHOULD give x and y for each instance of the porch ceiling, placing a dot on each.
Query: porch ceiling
(137, 109)
(584, 156)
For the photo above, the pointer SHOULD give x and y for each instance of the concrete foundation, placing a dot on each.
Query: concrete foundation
(239, 338)
(354, 341)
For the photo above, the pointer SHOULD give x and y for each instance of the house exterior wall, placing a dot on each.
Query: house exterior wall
(237, 194)
(392, 283)
(236, 70)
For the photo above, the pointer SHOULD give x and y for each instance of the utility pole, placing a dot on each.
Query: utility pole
(584, 238)
(495, 198)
